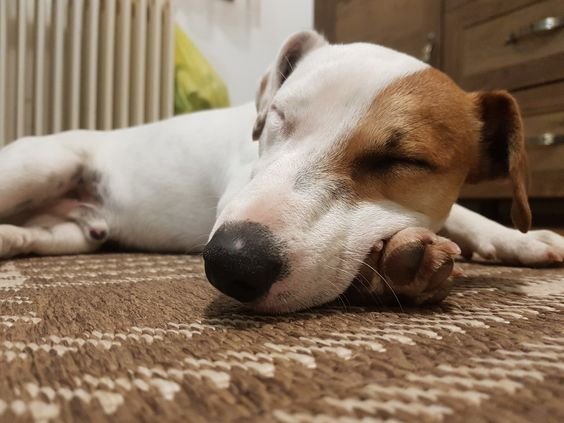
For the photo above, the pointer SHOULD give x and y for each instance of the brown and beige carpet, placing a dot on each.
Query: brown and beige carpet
(144, 337)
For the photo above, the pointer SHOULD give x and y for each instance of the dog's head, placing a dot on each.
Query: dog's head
(356, 143)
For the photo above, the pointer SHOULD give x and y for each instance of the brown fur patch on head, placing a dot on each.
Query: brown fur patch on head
(414, 146)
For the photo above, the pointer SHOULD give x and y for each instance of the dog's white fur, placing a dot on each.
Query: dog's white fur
(167, 186)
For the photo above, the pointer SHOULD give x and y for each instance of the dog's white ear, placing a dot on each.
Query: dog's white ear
(502, 150)
(292, 51)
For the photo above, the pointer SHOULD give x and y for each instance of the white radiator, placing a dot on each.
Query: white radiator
(93, 64)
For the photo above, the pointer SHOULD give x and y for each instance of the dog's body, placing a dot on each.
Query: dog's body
(293, 202)
(136, 179)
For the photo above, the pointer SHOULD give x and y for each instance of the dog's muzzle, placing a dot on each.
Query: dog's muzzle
(244, 259)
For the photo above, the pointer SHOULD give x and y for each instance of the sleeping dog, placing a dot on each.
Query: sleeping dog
(356, 143)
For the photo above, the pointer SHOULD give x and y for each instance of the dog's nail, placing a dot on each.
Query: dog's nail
(454, 249)
(554, 257)
(488, 252)
(378, 246)
(457, 271)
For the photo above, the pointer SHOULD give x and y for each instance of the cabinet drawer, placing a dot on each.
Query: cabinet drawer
(500, 52)
(546, 178)
(543, 118)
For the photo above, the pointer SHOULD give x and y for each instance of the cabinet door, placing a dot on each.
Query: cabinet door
(411, 26)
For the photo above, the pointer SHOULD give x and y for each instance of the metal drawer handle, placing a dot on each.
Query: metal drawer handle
(540, 27)
(547, 139)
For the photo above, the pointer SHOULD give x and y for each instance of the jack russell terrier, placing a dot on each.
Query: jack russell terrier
(356, 143)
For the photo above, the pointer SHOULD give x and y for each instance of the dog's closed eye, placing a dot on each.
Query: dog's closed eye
(380, 163)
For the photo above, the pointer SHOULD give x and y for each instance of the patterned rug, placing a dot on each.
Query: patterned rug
(126, 337)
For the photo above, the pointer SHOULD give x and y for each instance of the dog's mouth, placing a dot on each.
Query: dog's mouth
(364, 289)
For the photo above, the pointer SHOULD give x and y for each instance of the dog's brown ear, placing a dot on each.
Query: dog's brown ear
(292, 51)
(502, 150)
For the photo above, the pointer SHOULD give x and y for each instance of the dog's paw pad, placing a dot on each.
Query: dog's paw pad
(418, 265)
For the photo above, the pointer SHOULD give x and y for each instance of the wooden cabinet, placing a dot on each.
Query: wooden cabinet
(516, 45)
(414, 27)
(509, 44)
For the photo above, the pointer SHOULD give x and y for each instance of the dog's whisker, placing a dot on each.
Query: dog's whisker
(340, 298)
(289, 63)
(389, 285)
(286, 304)
(190, 249)
(366, 284)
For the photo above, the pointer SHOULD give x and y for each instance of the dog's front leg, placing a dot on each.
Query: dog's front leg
(418, 265)
(414, 266)
(476, 234)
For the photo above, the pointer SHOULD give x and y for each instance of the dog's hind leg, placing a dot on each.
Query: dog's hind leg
(87, 216)
(55, 236)
(36, 169)
(67, 227)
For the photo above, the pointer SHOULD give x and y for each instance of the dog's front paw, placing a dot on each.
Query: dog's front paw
(418, 264)
(534, 248)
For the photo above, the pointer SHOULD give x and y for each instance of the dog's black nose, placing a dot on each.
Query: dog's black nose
(243, 260)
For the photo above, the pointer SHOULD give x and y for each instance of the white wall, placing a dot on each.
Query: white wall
(241, 37)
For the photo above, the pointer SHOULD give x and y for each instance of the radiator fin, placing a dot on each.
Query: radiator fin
(93, 64)
(3, 70)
